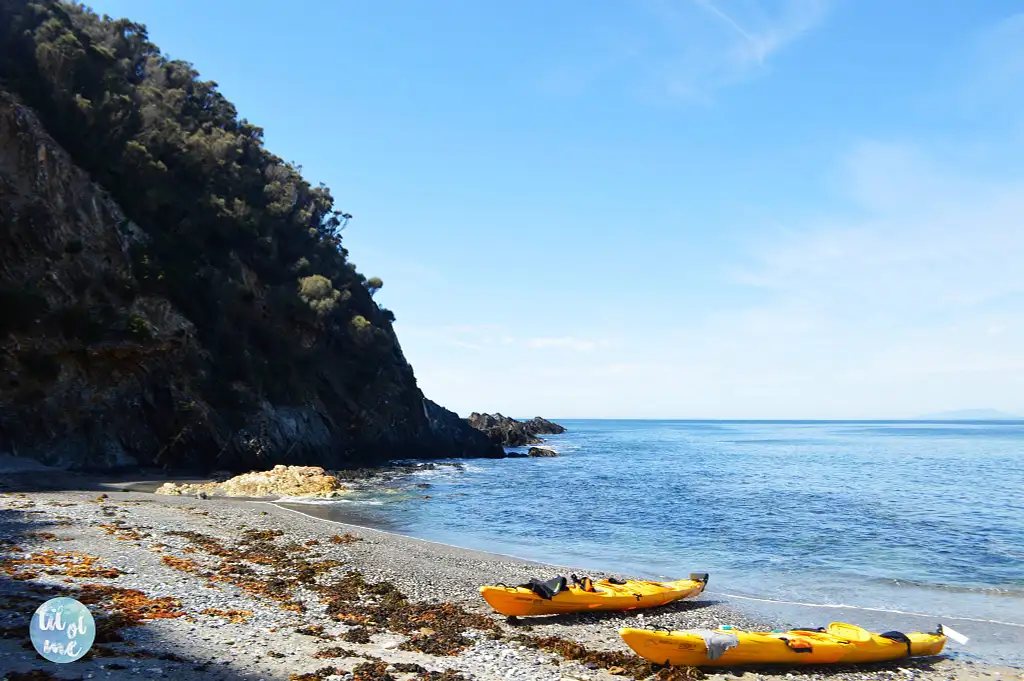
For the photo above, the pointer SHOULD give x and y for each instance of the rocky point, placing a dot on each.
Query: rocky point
(509, 432)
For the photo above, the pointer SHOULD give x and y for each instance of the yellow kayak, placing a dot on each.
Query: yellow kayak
(839, 643)
(558, 596)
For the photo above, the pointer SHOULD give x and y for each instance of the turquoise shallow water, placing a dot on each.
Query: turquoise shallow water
(915, 517)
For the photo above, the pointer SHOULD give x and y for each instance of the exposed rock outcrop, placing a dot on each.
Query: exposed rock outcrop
(539, 426)
(541, 451)
(281, 481)
(100, 371)
(512, 433)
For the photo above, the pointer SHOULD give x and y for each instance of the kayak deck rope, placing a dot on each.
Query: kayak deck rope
(858, 607)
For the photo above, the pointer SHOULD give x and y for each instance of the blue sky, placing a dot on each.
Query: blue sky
(660, 208)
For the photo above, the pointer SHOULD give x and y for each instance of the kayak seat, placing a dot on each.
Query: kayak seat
(899, 637)
(546, 590)
(586, 584)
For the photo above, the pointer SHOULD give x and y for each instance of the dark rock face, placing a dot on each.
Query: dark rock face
(541, 451)
(539, 426)
(511, 433)
(95, 375)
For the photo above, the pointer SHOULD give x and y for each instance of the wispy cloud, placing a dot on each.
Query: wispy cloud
(567, 342)
(687, 48)
(927, 238)
(903, 297)
(767, 32)
(909, 302)
(727, 41)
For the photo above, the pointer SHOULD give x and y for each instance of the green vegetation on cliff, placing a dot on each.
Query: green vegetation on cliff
(238, 243)
(175, 155)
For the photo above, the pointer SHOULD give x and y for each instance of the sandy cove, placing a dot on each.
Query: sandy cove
(242, 590)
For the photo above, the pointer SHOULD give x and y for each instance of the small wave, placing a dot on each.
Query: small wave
(1008, 592)
(844, 606)
(327, 502)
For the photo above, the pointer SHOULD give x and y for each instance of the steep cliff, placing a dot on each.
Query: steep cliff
(171, 294)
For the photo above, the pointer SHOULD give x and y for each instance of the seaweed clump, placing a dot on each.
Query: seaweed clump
(340, 651)
(287, 568)
(357, 635)
(423, 674)
(128, 608)
(123, 533)
(433, 628)
(313, 630)
(346, 538)
(372, 671)
(622, 663)
(318, 675)
(233, 616)
(66, 564)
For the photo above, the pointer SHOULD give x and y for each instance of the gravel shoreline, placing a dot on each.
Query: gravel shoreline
(180, 548)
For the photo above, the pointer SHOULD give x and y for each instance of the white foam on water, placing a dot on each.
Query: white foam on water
(866, 608)
(327, 502)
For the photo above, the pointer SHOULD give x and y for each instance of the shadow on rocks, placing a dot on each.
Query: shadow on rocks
(868, 670)
(590, 617)
(57, 480)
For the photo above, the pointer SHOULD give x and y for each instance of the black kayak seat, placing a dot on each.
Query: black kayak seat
(547, 590)
(899, 637)
(552, 587)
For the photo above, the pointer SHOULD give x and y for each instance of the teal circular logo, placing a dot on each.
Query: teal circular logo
(62, 630)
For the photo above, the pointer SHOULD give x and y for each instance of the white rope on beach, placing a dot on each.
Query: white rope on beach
(858, 607)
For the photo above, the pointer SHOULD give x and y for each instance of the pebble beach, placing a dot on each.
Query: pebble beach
(193, 588)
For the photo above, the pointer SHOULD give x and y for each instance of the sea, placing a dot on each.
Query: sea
(888, 524)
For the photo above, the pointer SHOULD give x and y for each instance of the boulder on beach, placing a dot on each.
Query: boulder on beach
(283, 481)
(541, 451)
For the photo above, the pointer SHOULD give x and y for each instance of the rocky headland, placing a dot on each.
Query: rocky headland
(509, 432)
(174, 295)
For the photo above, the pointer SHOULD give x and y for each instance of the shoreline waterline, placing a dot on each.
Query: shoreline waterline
(783, 613)
(288, 506)
(425, 570)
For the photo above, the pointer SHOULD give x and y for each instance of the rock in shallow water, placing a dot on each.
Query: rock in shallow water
(511, 433)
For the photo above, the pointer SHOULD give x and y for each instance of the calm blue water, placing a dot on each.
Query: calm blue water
(924, 517)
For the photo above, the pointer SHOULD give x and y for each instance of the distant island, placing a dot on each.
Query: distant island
(972, 415)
